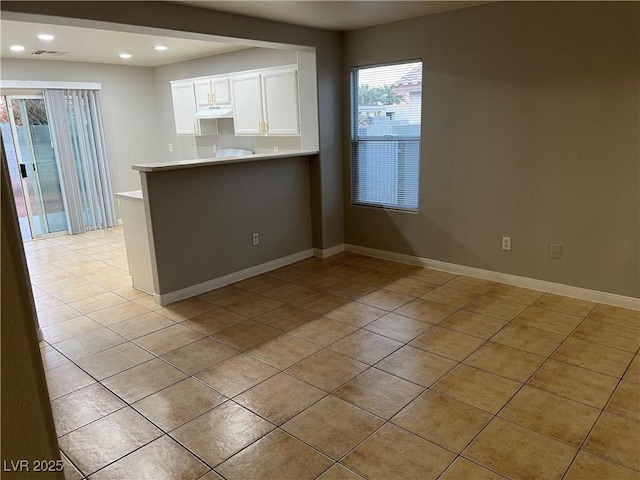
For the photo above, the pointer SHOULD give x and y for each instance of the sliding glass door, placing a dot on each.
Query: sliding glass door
(27, 139)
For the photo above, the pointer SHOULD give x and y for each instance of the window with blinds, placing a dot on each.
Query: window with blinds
(386, 105)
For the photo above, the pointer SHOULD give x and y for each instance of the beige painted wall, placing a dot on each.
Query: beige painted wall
(28, 432)
(530, 130)
(128, 102)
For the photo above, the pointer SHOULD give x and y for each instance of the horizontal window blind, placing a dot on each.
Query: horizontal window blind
(386, 114)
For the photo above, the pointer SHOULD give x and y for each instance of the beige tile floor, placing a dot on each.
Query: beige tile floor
(344, 368)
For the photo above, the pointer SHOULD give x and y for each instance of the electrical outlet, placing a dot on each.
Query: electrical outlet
(255, 239)
(170, 148)
(506, 243)
(554, 251)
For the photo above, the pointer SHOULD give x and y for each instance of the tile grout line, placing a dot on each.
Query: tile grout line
(496, 415)
(588, 435)
(461, 362)
(326, 347)
(578, 449)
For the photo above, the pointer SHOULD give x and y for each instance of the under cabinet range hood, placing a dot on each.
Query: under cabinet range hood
(215, 112)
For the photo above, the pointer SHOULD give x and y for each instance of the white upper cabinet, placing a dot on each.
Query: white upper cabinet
(246, 95)
(221, 90)
(212, 91)
(184, 111)
(184, 108)
(280, 102)
(266, 103)
(203, 93)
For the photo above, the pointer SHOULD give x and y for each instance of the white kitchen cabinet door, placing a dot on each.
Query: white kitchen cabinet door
(221, 91)
(203, 93)
(280, 102)
(184, 108)
(246, 97)
(212, 91)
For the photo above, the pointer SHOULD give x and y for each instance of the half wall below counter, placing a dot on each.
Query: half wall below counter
(200, 216)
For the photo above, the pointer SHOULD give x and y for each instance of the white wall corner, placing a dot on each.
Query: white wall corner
(525, 282)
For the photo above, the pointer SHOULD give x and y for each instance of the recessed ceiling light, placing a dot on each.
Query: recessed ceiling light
(160, 48)
(46, 37)
(16, 48)
(125, 55)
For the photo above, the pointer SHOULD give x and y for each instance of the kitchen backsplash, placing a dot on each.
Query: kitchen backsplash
(227, 139)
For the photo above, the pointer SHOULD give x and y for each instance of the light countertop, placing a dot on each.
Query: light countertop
(133, 195)
(207, 162)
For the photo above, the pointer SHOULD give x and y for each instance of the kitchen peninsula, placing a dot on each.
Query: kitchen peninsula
(200, 216)
(204, 162)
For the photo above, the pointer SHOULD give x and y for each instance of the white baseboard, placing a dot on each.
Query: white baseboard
(318, 252)
(525, 282)
(200, 288)
(40, 335)
(542, 285)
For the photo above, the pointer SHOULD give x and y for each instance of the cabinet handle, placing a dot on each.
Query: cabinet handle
(195, 128)
(213, 98)
(260, 127)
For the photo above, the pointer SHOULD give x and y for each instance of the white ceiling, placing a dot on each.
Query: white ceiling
(333, 15)
(78, 44)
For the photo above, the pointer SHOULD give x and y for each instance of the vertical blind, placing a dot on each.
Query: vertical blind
(386, 106)
(83, 161)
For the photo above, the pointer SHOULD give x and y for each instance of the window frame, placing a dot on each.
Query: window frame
(354, 139)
